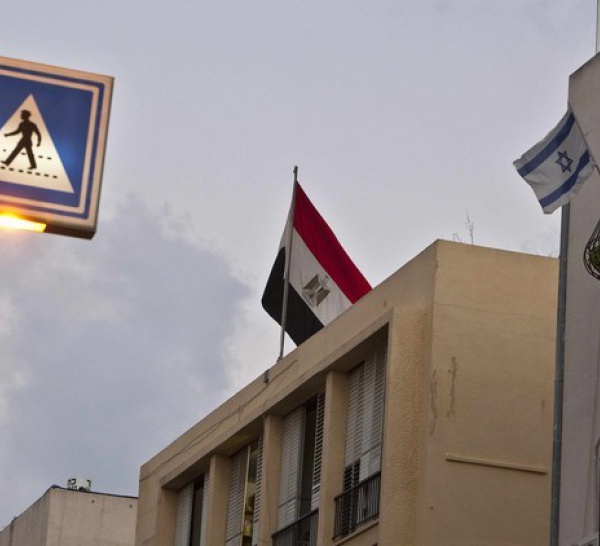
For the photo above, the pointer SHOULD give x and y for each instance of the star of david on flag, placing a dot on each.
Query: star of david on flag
(564, 161)
(558, 165)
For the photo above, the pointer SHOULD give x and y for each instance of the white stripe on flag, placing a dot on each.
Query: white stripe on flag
(305, 268)
(557, 166)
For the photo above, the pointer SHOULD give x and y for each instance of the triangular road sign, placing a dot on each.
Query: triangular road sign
(49, 172)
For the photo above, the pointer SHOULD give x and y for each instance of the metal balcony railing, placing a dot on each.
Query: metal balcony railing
(357, 506)
(302, 532)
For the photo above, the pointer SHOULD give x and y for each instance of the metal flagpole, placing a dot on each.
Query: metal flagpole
(288, 258)
(560, 372)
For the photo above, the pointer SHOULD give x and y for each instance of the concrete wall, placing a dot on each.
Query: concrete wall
(29, 529)
(78, 518)
(63, 517)
(488, 430)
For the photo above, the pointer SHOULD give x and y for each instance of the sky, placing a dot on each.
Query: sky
(403, 117)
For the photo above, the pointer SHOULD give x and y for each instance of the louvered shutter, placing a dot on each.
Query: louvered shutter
(291, 452)
(235, 501)
(258, 492)
(365, 419)
(377, 416)
(372, 417)
(353, 426)
(318, 457)
(204, 509)
(368, 396)
(183, 518)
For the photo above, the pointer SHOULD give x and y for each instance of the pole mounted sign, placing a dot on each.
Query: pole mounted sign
(53, 127)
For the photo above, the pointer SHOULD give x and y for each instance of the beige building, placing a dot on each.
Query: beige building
(66, 517)
(421, 416)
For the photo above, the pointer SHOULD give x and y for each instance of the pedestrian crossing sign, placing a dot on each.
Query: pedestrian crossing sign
(53, 127)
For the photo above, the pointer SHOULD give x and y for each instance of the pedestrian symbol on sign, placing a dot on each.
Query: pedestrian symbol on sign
(38, 166)
(27, 129)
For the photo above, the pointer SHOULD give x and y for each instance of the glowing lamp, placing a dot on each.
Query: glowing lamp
(14, 222)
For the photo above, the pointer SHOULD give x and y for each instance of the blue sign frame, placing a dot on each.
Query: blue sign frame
(74, 107)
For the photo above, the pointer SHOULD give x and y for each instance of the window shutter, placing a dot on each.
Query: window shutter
(183, 518)
(204, 509)
(291, 450)
(258, 493)
(368, 396)
(377, 418)
(235, 502)
(318, 458)
(353, 425)
(373, 391)
(365, 419)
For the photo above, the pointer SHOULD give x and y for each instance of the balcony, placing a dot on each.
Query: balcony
(302, 532)
(357, 506)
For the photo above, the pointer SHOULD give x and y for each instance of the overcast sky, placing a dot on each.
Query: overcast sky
(403, 116)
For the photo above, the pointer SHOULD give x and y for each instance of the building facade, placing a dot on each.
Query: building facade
(579, 502)
(421, 416)
(67, 517)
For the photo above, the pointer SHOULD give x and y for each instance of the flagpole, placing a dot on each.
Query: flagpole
(286, 276)
(559, 373)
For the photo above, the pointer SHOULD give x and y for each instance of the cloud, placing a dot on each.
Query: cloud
(109, 350)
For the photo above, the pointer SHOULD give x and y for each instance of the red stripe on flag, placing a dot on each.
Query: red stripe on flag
(324, 245)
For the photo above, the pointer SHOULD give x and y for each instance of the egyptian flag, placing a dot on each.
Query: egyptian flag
(323, 280)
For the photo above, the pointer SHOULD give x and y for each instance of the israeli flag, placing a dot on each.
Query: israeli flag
(557, 166)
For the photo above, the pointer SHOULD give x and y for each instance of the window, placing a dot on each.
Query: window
(359, 501)
(301, 461)
(190, 518)
(299, 486)
(365, 420)
(244, 496)
(198, 515)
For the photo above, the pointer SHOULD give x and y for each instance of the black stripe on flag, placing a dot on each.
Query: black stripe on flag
(301, 322)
